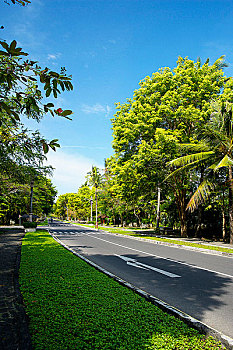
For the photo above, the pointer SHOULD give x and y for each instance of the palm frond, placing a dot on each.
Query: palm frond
(182, 161)
(226, 161)
(195, 147)
(201, 195)
(212, 166)
(220, 62)
(180, 169)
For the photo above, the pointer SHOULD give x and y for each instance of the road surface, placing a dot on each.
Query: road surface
(198, 284)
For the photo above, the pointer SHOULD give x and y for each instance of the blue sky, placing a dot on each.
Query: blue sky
(108, 46)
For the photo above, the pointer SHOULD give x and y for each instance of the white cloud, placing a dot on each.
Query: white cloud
(96, 109)
(53, 56)
(70, 170)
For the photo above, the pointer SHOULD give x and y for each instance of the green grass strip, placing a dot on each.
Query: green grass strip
(204, 246)
(174, 241)
(71, 305)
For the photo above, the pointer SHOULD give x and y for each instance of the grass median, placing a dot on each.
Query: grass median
(71, 305)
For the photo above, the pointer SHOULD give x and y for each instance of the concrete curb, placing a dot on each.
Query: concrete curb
(201, 327)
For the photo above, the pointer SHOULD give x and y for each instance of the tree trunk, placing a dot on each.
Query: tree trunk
(121, 218)
(180, 195)
(223, 225)
(198, 232)
(230, 205)
(137, 217)
(183, 225)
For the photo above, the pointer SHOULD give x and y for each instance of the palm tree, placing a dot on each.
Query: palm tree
(95, 179)
(213, 152)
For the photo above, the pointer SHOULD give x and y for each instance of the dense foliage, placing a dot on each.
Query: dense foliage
(72, 306)
(174, 139)
(24, 89)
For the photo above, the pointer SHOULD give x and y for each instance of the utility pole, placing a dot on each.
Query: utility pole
(96, 211)
(158, 210)
(91, 208)
(31, 200)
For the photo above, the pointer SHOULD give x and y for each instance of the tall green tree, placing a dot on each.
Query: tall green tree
(213, 152)
(176, 101)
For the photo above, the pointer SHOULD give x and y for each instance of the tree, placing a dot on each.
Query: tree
(95, 179)
(19, 89)
(21, 162)
(215, 151)
(176, 101)
(21, 151)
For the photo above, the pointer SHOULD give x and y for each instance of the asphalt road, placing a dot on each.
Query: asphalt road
(198, 284)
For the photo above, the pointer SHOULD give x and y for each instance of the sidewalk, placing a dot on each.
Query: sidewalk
(13, 322)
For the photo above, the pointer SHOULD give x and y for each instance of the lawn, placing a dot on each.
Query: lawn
(71, 305)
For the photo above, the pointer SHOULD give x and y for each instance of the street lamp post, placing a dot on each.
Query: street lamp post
(31, 200)
(96, 212)
(91, 208)
(91, 201)
(158, 209)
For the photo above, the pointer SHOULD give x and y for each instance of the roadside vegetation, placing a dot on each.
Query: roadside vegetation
(173, 156)
(25, 92)
(43, 223)
(73, 306)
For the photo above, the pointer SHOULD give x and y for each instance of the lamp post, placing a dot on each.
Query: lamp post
(31, 200)
(91, 201)
(158, 209)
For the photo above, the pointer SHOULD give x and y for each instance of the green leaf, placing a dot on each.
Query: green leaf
(202, 193)
(184, 167)
(4, 45)
(181, 161)
(3, 53)
(55, 93)
(13, 45)
(225, 162)
(5, 107)
(45, 147)
(48, 92)
(66, 112)
(49, 105)
(62, 85)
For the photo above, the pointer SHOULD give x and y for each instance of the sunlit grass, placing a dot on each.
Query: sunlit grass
(71, 305)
